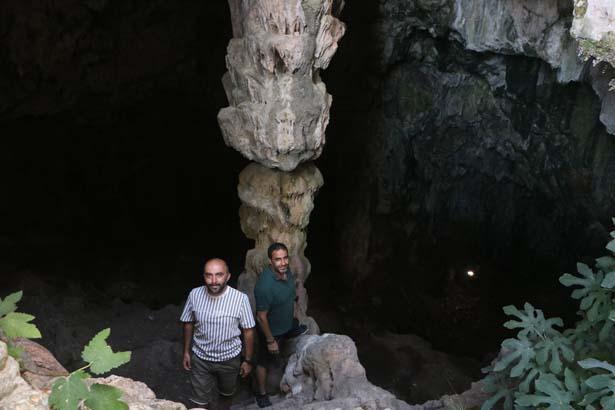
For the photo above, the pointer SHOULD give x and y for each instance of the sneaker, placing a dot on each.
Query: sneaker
(297, 331)
(262, 400)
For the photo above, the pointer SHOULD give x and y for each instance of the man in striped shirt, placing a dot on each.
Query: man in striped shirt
(214, 317)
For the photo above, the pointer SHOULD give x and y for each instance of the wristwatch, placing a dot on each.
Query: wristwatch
(249, 361)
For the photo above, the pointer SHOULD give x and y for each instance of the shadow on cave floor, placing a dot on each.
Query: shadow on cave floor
(425, 350)
(69, 311)
(404, 364)
(423, 345)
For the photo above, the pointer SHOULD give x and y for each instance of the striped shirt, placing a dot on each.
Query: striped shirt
(216, 322)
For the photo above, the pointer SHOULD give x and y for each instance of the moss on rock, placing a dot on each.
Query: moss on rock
(603, 49)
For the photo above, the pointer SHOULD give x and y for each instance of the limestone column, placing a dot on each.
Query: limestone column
(276, 207)
(277, 115)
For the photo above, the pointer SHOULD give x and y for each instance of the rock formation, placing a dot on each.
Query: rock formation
(21, 392)
(137, 395)
(15, 392)
(276, 206)
(324, 372)
(526, 27)
(466, 136)
(594, 28)
(38, 366)
(278, 113)
(279, 107)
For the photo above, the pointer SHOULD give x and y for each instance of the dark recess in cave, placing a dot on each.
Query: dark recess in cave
(127, 179)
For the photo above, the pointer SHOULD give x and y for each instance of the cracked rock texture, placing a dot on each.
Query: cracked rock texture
(279, 107)
(594, 28)
(276, 206)
(15, 392)
(468, 147)
(137, 395)
(525, 27)
(325, 373)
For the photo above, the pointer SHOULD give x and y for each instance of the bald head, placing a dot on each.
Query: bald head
(216, 276)
(215, 265)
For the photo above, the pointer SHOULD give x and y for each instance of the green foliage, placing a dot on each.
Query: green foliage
(70, 392)
(9, 304)
(15, 351)
(14, 324)
(100, 356)
(545, 368)
(105, 397)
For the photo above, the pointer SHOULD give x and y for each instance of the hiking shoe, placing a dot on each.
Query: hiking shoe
(262, 400)
(297, 331)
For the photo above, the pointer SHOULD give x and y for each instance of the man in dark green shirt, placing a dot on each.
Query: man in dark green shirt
(275, 305)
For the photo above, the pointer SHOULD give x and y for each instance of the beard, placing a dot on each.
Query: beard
(216, 289)
(280, 270)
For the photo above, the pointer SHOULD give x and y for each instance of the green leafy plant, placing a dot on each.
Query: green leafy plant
(15, 324)
(69, 392)
(547, 368)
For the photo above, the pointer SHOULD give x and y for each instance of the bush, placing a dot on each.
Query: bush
(544, 367)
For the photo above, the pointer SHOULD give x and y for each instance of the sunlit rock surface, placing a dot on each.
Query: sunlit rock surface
(38, 365)
(527, 27)
(594, 28)
(15, 392)
(279, 107)
(19, 394)
(324, 372)
(276, 207)
(137, 395)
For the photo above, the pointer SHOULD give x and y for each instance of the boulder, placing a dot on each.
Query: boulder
(15, 392)
(325, 371)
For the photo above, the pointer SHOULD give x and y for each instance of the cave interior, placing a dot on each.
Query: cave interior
(117, 183)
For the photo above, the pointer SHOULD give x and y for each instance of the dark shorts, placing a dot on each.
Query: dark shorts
(263, 357)
(210, 379)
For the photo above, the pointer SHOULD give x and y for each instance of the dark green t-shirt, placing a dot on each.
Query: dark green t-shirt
(277, 297)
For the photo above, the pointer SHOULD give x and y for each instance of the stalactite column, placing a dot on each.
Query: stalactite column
(277, 115)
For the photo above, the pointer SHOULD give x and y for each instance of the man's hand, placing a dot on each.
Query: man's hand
(186, 361)
(245, 369)
(188, 331)
(272, 347)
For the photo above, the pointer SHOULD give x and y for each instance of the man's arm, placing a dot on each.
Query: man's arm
(248, 363)
(272, 345)
(188, 330)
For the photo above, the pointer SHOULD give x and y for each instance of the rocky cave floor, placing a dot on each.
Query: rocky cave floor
(140, 301)
(69, 313)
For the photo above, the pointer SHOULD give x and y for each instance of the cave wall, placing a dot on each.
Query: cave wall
(460, 132)
(473, 134)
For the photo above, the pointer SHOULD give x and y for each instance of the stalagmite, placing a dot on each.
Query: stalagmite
(277, 114)
(276, 206)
